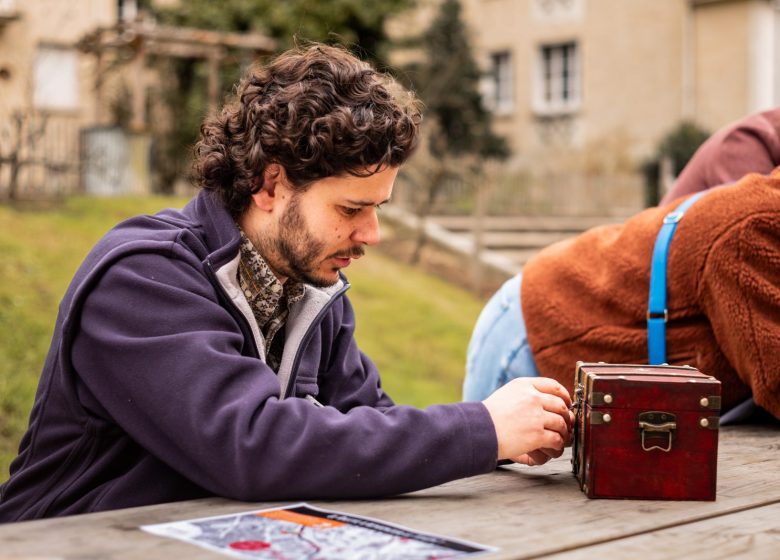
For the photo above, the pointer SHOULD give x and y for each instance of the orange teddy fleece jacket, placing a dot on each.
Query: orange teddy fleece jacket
(586, 298)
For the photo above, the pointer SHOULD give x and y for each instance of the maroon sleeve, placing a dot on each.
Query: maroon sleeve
(751, 145)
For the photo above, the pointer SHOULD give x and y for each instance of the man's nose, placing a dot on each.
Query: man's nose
(367, 231)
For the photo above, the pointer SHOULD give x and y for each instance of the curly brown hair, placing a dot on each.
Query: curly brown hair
(317, 111)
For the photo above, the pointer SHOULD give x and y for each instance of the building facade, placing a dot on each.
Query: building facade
(585, 89)
(46, 91)
(81, 92)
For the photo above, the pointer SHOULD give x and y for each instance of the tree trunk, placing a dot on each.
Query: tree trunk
(424, 210)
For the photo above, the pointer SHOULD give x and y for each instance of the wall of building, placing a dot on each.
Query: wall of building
(56, 25)
(629, 61)
(737, 54)
(47, 93)
(632, 71)
(721, 62)
(643, 66)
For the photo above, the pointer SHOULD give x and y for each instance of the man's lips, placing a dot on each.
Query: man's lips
(343, 259)
(343, 262)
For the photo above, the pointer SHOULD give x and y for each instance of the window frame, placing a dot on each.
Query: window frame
(53, 91)
(502, 90)
(558, 78)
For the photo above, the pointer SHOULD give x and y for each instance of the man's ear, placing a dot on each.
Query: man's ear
(273, 180)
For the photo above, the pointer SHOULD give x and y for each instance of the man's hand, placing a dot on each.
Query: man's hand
(532, 419)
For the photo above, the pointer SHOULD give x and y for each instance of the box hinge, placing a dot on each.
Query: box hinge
(600, 399)
(710, 422)
(711, 402)
(597, 417)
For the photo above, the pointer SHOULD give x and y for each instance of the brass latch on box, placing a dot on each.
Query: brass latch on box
(657, 423)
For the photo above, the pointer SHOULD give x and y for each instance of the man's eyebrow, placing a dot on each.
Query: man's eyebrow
(366, 202)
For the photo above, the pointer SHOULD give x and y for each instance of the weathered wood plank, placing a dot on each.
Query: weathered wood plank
(753, 533)
(519, 239)
(526, 223)
(518, 256)
(533, 512)
(526, 512)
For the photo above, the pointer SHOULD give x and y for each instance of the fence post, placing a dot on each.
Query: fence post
(482, 187)
(665, 176)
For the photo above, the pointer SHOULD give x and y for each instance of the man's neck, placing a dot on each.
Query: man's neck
(244, 224)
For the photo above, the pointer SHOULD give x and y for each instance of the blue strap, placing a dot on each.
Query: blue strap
(657, 312)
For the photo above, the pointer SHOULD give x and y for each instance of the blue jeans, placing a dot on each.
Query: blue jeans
(498, 351)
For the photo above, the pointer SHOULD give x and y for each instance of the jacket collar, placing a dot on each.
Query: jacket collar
(222, 236)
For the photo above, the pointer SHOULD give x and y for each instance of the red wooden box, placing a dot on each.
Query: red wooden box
(645, 432)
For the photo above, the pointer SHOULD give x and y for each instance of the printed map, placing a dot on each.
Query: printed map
(301, 531)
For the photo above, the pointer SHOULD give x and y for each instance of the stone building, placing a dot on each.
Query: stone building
(46, 90)
(585, 89)
(76, 92)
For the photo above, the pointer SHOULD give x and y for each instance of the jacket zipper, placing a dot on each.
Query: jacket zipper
(304, 339)
(233, 309)
(307, 336)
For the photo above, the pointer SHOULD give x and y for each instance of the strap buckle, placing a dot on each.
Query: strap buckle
(658, 315)
(673, 217)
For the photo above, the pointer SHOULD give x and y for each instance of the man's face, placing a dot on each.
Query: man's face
(310, 236)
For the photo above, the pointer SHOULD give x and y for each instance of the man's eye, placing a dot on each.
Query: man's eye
(349, 211)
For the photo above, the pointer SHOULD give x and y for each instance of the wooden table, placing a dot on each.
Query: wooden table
(525, 512)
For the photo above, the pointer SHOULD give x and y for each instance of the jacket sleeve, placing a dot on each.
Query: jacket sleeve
(349, 377)
(163, 360)
(740, 292)
(750, 145)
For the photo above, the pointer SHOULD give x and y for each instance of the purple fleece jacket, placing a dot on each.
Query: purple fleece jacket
(153, 391)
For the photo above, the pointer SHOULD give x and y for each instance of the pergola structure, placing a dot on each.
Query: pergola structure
(132, 42)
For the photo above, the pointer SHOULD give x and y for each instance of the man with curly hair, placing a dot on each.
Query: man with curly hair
(210, 351)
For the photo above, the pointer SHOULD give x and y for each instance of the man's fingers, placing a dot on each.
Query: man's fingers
(539, 457)
(558, 406)
(530, 414)
(552, 439)
(552, 453)
(532, 458)
(556, 423)
(523, 459)
(551, 386)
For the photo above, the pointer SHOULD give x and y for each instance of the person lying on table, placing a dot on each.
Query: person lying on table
(749, 145)
(211, 351)
(587, 298)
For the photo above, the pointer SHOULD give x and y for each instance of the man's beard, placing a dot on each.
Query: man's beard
(296, 252)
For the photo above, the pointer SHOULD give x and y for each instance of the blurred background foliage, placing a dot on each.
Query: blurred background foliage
(678, 147)
(456, 120)
(448, 83)
(458, 137)
(356, 24)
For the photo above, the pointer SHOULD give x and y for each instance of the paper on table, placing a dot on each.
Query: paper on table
(304, 531)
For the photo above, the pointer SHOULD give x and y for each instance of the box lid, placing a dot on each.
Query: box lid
(641, 386)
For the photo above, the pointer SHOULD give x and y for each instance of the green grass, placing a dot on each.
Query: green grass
(415, 327)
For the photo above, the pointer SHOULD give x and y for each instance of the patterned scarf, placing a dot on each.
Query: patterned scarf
(269, 299)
